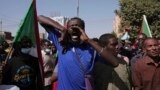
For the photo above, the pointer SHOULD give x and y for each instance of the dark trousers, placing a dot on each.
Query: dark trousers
(49, 87)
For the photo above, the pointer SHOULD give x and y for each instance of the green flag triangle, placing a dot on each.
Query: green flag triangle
(145, 27)
(27, 26)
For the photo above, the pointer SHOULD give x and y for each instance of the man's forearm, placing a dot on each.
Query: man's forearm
(48, 21)
(105, 54)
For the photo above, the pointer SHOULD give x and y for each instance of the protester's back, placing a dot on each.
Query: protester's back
(23, 69)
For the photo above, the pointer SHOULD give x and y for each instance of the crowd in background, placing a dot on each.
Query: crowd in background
(69, 54)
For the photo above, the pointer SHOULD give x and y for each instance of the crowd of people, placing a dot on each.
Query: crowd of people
(69, 55)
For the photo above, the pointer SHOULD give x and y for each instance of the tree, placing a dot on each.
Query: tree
(131, 12)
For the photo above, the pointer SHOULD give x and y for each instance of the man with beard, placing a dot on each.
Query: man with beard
(75, 50)
(147, 70)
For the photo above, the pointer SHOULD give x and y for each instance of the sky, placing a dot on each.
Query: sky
(97, 14)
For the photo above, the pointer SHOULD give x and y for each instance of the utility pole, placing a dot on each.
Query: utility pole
(1, 25)
(77, 8)
(1, 28)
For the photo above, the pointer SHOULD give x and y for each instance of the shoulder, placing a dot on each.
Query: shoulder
(137, 57)
(86, 47)
(123, 58)
(14, 59)
(142, 61)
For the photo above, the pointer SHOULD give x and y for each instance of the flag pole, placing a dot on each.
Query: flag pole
(38, 40)
(77, 8)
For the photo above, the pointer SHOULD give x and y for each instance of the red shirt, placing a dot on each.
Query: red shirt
(146, 74)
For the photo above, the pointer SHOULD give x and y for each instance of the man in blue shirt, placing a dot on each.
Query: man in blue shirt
(75, 50)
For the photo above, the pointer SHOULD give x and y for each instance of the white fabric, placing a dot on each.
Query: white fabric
(125, 36)
(33, 52)
(9, 87)
(49, 62)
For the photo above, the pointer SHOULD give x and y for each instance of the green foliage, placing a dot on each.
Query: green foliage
(131, 12)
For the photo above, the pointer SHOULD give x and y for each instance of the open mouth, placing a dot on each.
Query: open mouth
(75, 37)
